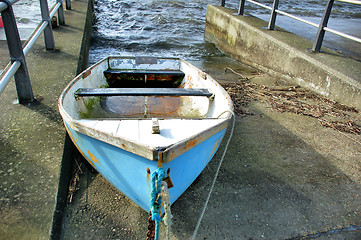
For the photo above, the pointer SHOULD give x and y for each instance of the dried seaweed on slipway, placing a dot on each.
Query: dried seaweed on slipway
(294, 99)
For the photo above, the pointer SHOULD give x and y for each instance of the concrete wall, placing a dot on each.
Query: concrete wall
(285, 55)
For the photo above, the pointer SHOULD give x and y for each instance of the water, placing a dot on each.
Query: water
(175, 28)
(161, 28)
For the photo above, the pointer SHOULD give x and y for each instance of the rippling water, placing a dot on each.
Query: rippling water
(162, 28)
(176, 27)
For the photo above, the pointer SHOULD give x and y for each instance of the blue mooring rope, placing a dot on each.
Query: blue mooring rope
(155, 201)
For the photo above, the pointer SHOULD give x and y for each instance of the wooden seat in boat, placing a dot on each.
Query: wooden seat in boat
(148, 72)
(83, 92)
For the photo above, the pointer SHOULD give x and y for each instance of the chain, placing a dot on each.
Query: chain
(151, 227)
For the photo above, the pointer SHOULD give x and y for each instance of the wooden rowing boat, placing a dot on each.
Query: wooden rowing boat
(130, 114)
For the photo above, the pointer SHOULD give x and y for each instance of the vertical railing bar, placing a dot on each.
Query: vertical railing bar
(3, 6)
(61, 13)
(241, 7)
(321, 27)
(223, 3)
(68, 4)
(321, 31)
(17, 66)
(275, 10)
(21, 76)
(48, 31)
(272, 21)
(38, 30)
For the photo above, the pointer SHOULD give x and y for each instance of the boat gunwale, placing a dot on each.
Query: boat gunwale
(164, 153)
(183, 146)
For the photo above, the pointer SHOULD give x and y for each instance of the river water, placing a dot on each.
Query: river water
(176, 27)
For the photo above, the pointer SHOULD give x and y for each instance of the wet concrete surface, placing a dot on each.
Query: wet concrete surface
(285, 176)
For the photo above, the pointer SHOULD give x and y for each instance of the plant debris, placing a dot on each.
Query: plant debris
(292, 99)
(347, 126)
(73, 187)
(241, 95)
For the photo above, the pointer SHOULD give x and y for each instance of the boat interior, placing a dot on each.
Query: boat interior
(127, 88)
(144, 100)
(145, 94)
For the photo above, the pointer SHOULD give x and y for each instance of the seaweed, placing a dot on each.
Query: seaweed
(293, 99)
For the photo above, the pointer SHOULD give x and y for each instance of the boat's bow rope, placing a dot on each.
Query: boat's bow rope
(167, 219)
(159, 192)
(215, 177)
(155, 198)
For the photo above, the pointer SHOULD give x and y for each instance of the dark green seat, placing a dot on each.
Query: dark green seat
(83, 92)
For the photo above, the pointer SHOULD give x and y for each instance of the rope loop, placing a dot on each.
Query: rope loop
(155, 198)
(215, 177)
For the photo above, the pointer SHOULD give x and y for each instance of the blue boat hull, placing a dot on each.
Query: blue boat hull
(127, 171)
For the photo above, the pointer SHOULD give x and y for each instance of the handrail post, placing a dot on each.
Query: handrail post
(241, 7)
(223, 3)
(321, 32)
(272, 21)
(61, 13)
(68, 4)
(22, 80)
(48, 31)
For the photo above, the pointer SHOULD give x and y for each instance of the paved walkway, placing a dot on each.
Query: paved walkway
(32, 136)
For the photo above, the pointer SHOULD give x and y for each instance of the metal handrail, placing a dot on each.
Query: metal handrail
(4, 6)
(322, 27)
(11, 70)
(17, 67)
(39, 29)
(350, 1)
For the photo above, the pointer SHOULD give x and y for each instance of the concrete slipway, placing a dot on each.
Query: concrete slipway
(285, 176)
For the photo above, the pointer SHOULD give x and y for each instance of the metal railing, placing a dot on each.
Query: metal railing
(322, 27)
(17, 67)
